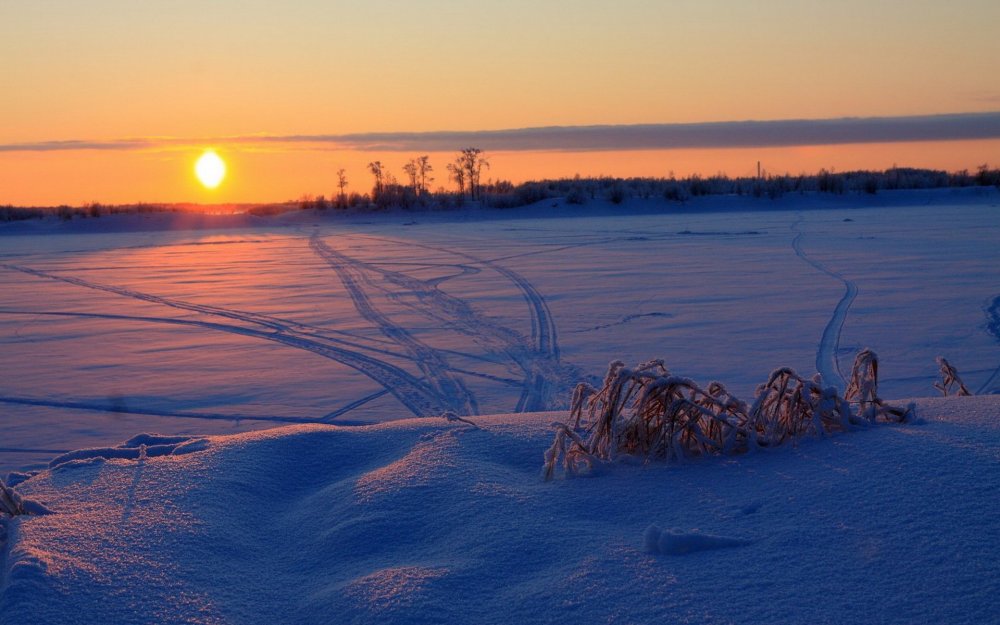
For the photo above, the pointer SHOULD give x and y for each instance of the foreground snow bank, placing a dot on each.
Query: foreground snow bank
(430, 520)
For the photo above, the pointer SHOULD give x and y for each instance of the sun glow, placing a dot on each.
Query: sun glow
(210, 169)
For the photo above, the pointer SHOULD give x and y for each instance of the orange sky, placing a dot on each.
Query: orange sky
(78, 177)
(108, 70)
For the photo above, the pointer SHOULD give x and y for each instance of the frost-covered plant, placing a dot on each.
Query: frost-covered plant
(648, 413)
(863, 390)
(950, 382)
(12, 504)
(454, 418)
(788, 405)
(863, 387)
(581, 394)
(679, 418)
(576, 458)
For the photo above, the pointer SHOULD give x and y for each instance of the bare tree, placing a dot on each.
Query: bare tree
(456, 173)
(424, 168)
(418, 171)
(410, 169)
(472, 161)
(342, 184)
(379, 173)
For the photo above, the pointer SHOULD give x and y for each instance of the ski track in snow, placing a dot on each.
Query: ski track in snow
(379, 371)
(30, 450)
(451, 311)
(458, 315)
(188, 322)
(439, 391)
(544, 335)
(543, 332)
(104, 407)
(827, 362)
(449, 388)
(992, 327)
(255, 318)
(624, 320)
(414, 394)
(339, 412)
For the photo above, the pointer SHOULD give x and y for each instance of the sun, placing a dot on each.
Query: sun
(210, 169)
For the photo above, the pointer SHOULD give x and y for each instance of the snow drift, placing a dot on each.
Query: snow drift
(436, 520)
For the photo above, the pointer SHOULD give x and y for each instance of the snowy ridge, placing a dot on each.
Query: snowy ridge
(137, 447)
(435, 520)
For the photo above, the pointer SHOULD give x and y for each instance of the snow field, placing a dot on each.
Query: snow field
(311, 319)
(431, 520)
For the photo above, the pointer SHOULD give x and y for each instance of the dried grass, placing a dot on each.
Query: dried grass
(950, 382)
(11, 503)
(648, 413)
(863, 391)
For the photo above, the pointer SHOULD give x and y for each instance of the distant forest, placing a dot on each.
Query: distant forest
(414, 192)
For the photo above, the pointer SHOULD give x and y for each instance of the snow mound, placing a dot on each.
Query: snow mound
(392, 589)
(148, 445)
(431, 521)
(676, 542)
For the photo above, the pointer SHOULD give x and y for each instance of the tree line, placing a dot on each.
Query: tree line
(467, 168)
(466, 171)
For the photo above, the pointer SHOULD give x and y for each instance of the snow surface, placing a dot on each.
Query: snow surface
(438, 521)
(189, 325)
(349, 328)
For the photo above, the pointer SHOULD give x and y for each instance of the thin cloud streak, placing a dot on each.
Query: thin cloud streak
(738, 134)
(75, 144)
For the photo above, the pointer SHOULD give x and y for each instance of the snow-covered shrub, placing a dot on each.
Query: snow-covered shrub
(645, 412)
(648, 413)
(949, 379)
(617, 194)
(788, 406)
(674, 192)
(576, 196)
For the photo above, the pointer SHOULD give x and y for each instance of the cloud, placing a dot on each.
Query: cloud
(989, 97)
(74, 144)
(737, 134)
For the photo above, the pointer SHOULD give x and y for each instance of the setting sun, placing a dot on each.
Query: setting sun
(210, 169)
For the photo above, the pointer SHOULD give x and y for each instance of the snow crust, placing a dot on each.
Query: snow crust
(434, 520)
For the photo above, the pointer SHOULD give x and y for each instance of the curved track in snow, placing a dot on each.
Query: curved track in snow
(449, 388)
(412, 392)
(624, 320)
(993, 327)
(104, 407)
(827, 362)
(437, 388)
(542, 358)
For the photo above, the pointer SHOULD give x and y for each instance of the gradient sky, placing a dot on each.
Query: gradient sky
(181, 76)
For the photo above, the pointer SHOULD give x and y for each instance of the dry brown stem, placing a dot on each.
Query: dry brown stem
(648, 413)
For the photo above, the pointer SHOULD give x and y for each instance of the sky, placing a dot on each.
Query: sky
(113, 101)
